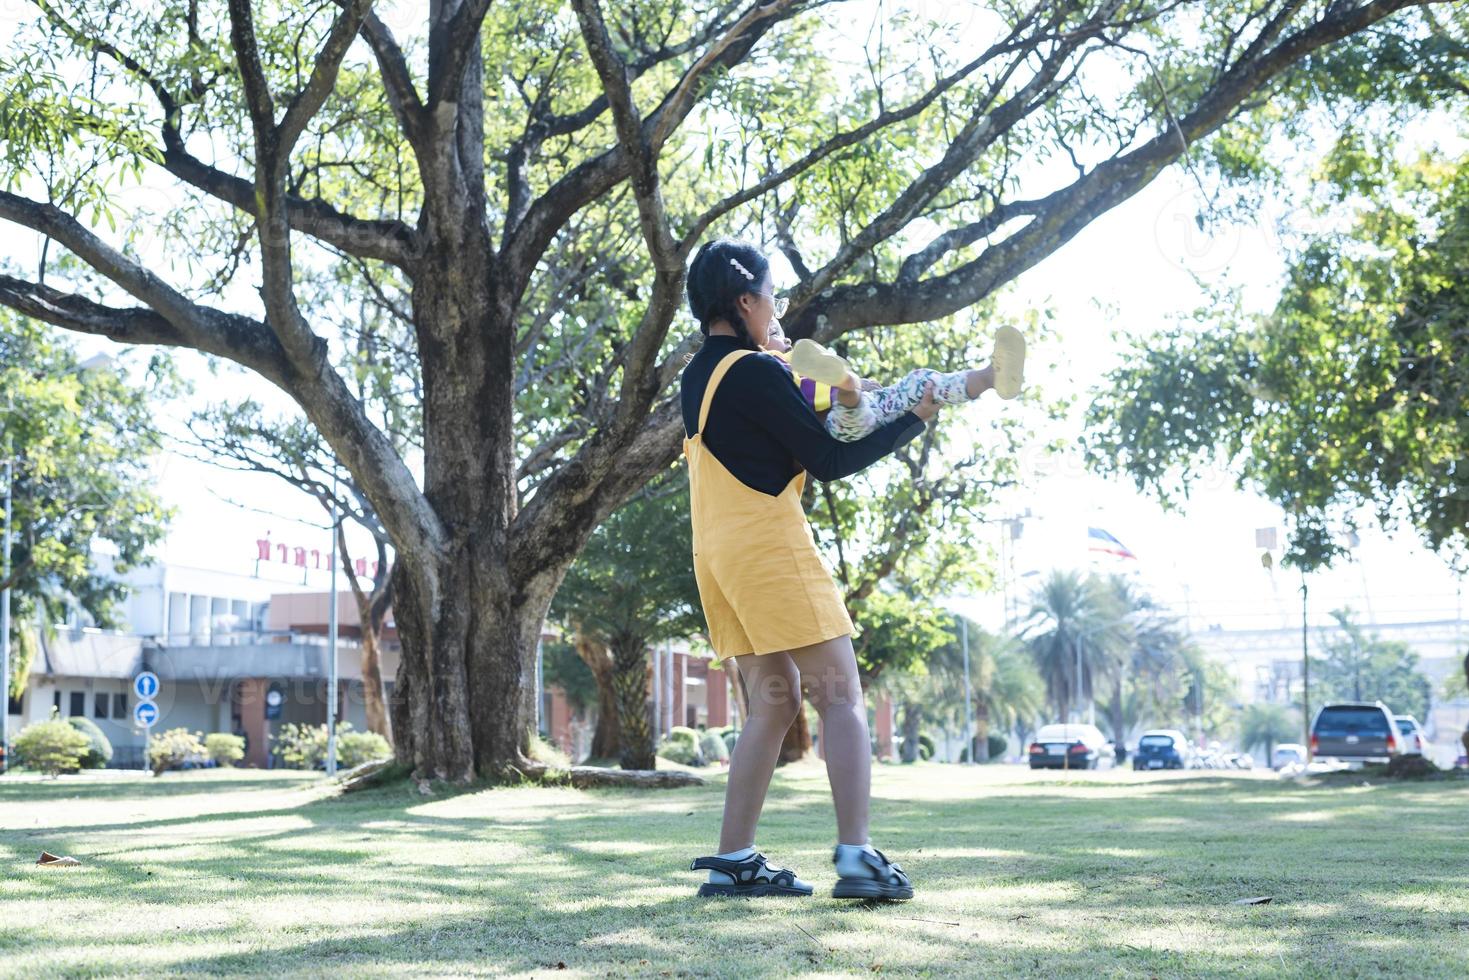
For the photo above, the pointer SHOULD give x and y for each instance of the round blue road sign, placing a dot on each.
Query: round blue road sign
(145, 713)
(146, 685)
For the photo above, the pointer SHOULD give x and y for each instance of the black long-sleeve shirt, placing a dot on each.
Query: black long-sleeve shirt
(764, 432)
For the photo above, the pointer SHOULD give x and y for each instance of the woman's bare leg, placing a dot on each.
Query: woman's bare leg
(773, 686)
(829, 677)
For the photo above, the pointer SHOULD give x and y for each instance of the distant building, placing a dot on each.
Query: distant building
(235, 653)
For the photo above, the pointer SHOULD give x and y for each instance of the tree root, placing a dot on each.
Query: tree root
(594, 777)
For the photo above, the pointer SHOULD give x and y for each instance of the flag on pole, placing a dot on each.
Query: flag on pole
(1100, 540)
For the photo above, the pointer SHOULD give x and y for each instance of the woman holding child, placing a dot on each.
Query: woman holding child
(752, 435)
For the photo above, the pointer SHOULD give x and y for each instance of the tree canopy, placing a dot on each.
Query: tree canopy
(83, 443)
(518, 187)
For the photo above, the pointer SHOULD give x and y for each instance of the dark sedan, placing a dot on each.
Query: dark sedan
(1070, 747)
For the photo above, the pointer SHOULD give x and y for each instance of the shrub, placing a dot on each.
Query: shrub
(925, 746)
(355, 748)
(712, 747)
(681, 745)
(52, 746)
(304, 746)
(225, 749)
(173, 748)
(101, 751)
(997, 746)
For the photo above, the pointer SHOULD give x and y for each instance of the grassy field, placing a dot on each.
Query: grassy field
(1017, 874)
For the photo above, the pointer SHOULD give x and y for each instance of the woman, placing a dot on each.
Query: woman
(768, 598)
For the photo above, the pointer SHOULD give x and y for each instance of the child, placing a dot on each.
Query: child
(857, 406)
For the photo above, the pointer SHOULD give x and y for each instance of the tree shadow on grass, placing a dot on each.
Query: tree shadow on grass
(1039, 879)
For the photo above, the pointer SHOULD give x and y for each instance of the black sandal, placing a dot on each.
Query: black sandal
(752, 877)
(886, 882)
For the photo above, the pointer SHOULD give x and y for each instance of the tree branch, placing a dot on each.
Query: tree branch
(451, 41)
(593, 178)
(668, 260)
(1060, 215)
(177, 321)
(388, 241)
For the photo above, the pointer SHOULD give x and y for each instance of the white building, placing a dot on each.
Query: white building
(228, 662)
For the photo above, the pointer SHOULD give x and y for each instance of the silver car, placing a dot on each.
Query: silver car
(1413, 740)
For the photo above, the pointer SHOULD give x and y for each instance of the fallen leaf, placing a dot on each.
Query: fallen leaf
(49, 860)
(1262, 900)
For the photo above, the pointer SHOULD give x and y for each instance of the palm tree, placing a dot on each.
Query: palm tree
(1075, 620)
(1266, 724)
(1010, 691)
(1158, 658)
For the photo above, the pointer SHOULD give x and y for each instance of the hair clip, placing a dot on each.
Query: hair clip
(743, 271)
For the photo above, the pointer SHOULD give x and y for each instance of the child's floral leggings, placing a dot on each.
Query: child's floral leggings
(882, 406)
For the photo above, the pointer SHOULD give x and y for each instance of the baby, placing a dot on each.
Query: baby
(856, 406)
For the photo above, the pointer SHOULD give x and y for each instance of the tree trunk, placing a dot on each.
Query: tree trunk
(372, 613)
(630, 683)
(797, 740)
(979, 739)
(373, 702)
(606, 741)
(912, 718)
(1119, 714)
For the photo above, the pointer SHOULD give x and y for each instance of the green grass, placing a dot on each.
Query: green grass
(1017, 874)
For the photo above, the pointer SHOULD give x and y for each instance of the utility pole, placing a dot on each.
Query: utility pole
(1305, 668)
(331, 643)
(5, 593)
(968, 692)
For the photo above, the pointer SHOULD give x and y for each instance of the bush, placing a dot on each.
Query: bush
(355, 748)
(547, 753)
(101, 751)
(997, 746)
(225, 749)
(712, 747)
(174, 748)
(52, 746)
(681, 745)
(925, 746)
(302, 746)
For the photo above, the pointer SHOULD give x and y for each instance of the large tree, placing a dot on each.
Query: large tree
(526, 181)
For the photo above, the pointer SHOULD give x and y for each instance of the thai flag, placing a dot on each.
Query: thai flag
(1099, 540)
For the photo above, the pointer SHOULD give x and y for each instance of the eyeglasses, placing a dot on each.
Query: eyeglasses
(780, 303)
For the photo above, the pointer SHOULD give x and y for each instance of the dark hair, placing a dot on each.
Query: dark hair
(716, 282)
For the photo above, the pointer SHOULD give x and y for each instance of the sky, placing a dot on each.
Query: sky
(1132, 271)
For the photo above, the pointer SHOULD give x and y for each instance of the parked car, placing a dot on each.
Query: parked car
(1413, 741)
(1355, 731)
(1288, 754)
(1071, 747)
(1165, 748)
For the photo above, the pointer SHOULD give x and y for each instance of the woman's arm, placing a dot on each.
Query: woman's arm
(775, 404)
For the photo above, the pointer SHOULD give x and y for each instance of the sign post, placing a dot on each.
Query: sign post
(145, 712)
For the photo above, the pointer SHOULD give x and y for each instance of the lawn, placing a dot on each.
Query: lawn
(1017, 874)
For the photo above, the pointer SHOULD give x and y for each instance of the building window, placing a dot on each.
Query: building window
(78, 704)
(119, 706)
(15, 705)
(56, 702)
(99, 705)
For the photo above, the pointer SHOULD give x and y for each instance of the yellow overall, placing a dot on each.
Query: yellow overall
(763, 584)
